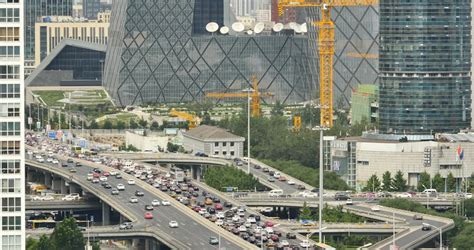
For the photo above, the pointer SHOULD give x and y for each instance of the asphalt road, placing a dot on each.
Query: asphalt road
(194, 235)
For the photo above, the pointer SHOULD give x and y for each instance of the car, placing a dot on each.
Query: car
(218, 206)
(208, 201)
(291, 182)
(165, 203)
(103, 178)
(375, 208)
(290, 236)
(148, 215)
(95, 180)
(64, 165)
(155, 203)
(126, 225)
(308, 194)
(341, 196)
(173, 224)
(349, 202)
(139, 193)
(120, 187)
(118, 176)
(113, 173)
(114, 191)
(282, 178)
(70, 197)
(78, 164)
(426, 227)
(213, 240)
(106, 174)
(131, 182)
(285, 243)
(90, 177)
(107, 185)
(219, 222)
(305, 244)
(72, 170)
(265, 170)
(269, 224)
(55, 161)
(149, 207)
(133, 200)
(271, 179)
(403, 195)
(417, 217)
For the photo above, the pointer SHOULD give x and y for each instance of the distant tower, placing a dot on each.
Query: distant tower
(425, 64)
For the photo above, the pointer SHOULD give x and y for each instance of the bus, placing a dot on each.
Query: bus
(49, 223)
(76, 149)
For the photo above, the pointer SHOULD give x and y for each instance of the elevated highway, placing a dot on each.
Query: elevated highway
(62, 205)
(194, 231)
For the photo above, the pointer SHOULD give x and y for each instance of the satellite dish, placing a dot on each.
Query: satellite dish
(297, 29)
(249, 32)
(259, 27)
(224, 30)
(212, 27)
(304, 28)
(293, 25)
(278, 27)
(238, 27)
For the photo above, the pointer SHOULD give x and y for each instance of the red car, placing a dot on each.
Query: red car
(268, 224)
(106, 174)
(274, 237)
(148, 215)
(197, 209)
(96, 175)
(218, 206)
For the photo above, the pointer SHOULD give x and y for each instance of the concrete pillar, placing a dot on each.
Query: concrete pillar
(122, 219)
(193, 172)
(105, 214)
(147, 244)
(135, 243)
(64, 188)
(47, 179)
(56, 185)
(73, 188)
(30, 175)
(198, 173)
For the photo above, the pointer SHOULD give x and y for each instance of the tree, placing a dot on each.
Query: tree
(373, 184)
(44, 243)
(387, 181)
(31, 243)
(424, 181)
(132, 124)
(469, 207)
(94, 125)
(120, 125)
(464, 239)
(399, 183)
(107, 124)
(155, 125)
(67, 234)
(278, 109)
(171, 147)
(451, 183)
(305, 212)
(143, 123)
(438, 182)
(96, 246)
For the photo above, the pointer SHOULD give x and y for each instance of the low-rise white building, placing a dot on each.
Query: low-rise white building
(213, 141)
(355, 159)
(146, 142)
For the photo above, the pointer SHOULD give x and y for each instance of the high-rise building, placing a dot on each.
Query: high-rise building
(156, 54)
(12, 175)
(90, 8)
(364, 104)
(425, 64)
(34, 10)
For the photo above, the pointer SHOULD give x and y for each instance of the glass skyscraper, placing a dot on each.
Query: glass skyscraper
(12, 175)
(425, 64)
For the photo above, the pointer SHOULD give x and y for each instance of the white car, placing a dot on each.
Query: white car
(71, 197)
(49, 159)
(235, 218)
(403, 195)
(120, 187)
(103, 178)
(113, 173)
(468, 195)
(291, 182)
(219, 222)
(29, 152)
(220, 215)
(349, 202)
(251, 220)
(305, 243)
(131, 182)
(40, 159)
(90, 177)
(173, 224)
(308, 194)
(165, 203)
(133, 200)
(55, 161)
(285, 243)
(155, 203)
(375, 208)
(242, 229)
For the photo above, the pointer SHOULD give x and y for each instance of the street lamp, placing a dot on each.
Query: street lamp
(321, 173)
(440, 234)
(310, 234)
(248, 91)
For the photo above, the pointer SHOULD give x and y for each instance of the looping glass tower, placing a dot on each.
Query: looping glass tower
(425, 63)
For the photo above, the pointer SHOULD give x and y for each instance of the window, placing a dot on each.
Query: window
(10, 166)
(216, 144)
(11, 242)
(9, 90)
(224, 152)
(11, 222)
(9, 109)
(231, 144)
(224, 144)
(9, 128)
(9, 72)
(9, 1)
(11, 204)
(9, 34)
(10, 51)
(9, 15)
(232, 153)
(216, 152)
(9, 147)
(11, 186)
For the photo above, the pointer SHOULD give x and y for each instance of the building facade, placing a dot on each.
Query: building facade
(12, 175)
(161, 59)
(34, 10)
(90, 9)
(213, 141)
(364, 104)
(425, 66)
(53, 30)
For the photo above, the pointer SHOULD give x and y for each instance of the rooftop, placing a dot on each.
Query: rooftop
(205, 132)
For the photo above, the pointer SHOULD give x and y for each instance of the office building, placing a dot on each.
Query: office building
(364, 104)
(90, 8)
(53, 30)
(34, 10)
(213, 141)
(356, 159)
(167, 58)
(12, 150)
(425, 66)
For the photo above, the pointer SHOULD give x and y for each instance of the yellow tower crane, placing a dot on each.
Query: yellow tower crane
(326, 46)
(255, 95)
(192, 119)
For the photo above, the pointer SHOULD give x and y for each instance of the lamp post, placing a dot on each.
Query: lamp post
(440, 234)
(321, 174)
(310, 234)
(248, 90)
(393, 223)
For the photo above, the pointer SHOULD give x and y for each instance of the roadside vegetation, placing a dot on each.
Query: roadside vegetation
(330, 214)
(222, 177)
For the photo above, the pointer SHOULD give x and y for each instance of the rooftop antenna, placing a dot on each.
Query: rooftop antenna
(238, 27)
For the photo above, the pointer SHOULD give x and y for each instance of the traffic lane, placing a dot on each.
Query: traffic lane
(262, 175)
(194, 234)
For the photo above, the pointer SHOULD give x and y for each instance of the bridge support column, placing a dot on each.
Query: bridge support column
(64, 188)
(30, 175)
(73, 188)
(198, 173)
(135, 243)
(56, 185)
(122, 219)
(105, 214)
(47, 179)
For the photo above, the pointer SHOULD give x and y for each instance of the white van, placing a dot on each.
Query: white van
(275, 193)
(430, 192)
(277, 175)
